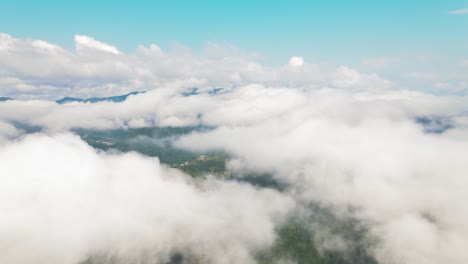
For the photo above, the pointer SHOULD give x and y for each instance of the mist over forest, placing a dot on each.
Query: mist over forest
(161, 155)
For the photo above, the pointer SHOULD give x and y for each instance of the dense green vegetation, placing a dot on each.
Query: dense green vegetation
(118, 98)
(157, 142)
(301, 240)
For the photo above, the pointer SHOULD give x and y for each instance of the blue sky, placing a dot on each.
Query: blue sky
(420, 44)
(332, 30)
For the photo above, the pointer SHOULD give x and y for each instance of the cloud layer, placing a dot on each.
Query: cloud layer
(35, 69)
(360, 153)
(364, 156)
(462, 11)
(393, 159)
(75, 203)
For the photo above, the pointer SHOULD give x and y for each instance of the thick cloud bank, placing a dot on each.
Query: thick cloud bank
(394, 159)
(364, 157)
(36, 69)
(62, 202)
(361, 153)
(244, 105)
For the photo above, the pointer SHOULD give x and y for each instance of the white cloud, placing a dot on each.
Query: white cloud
(362, 151)
(8, 132)
(442, 85)
(379, 62)
(74, 203)
(345, 77)
(83, 42)
(296, 61)
(243, 105)
(338, 136)
(153, 50)
(99, 69)
(339, 147)
(452, 87)
(6, 41)
(462, 11)
(426, 75)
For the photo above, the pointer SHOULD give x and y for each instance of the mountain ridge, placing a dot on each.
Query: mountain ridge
(116, 99)
(4, 99)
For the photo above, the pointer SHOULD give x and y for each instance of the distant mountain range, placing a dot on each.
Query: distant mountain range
(195, 91)
(3, 99)
(118, 98)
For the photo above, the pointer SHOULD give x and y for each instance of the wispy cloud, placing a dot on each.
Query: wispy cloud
(379, 62)
(463, 11)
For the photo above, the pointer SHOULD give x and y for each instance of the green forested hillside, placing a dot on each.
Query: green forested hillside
(300, 240)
